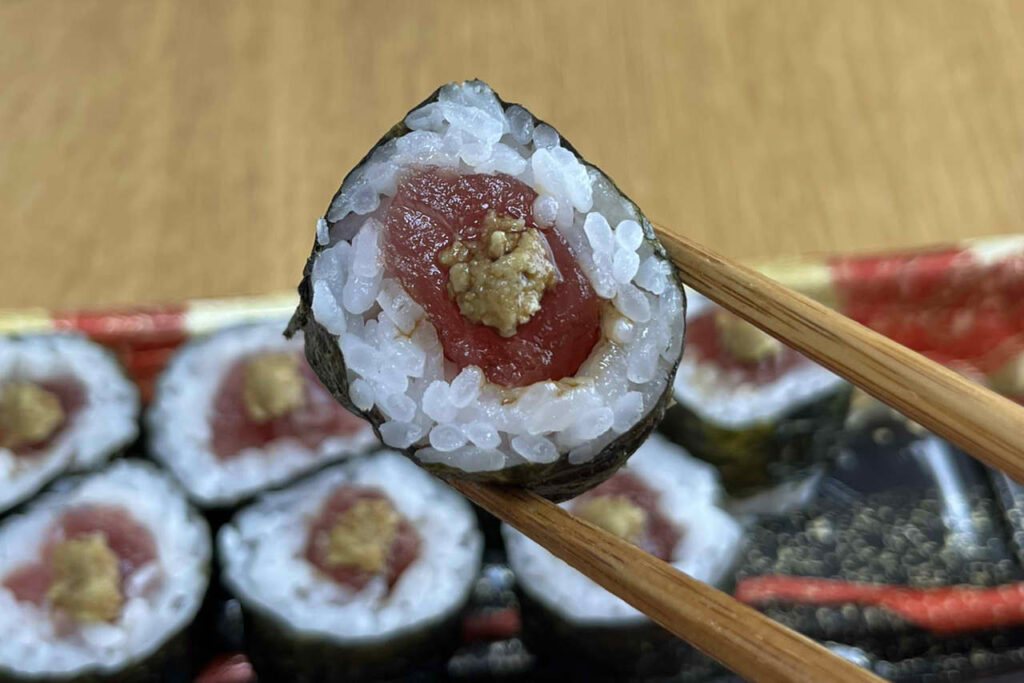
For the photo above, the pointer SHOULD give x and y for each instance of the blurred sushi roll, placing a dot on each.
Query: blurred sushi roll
(100, 578)
(491, 302)
(65, 403)
(663, 501)
(759, 411)
(360, 571)
(240, 411)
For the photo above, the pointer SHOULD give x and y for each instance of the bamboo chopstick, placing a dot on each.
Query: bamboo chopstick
(983, 423)
(738, 636)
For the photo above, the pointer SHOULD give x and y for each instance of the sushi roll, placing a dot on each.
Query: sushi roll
(65, 403)
(359, 571)
(100, 578)
(663, 501)
(240, 411)
(759, 411)
(491, 302)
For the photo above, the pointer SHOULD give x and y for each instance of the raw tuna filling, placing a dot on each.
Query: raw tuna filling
(270, 396)
(84, 563)
(628, 508)
(503, 293)
(33, 414)
(748, 354)
(358, 535)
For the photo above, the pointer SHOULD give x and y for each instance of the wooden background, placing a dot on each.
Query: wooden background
(154, 151)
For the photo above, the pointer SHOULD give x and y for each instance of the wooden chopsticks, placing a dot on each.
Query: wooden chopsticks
(985, 424)
(743, 639)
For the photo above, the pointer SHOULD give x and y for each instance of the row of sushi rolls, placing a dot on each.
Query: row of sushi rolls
(480, 303)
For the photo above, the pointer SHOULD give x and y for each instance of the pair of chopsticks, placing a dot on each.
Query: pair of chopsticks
(983, 423)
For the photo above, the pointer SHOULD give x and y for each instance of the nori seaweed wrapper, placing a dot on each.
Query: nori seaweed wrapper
(557, 481)
(759, 455)
(627, 651)
(172, 662)
(279, 653)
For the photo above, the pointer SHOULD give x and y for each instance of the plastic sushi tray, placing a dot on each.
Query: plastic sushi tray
(894, 548)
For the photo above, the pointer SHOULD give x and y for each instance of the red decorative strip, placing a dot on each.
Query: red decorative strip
(949, 304)
(946, 609)
(227, 669)
(156, 325)
(144, 365)
(491, 624)
(908, 277)
(143, 338)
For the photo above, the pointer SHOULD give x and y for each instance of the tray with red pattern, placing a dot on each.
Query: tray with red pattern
(910, 558)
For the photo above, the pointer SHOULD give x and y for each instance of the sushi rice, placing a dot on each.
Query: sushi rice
(688, 493)
(301, 625)
(394, 369)
(262, 553)
(180, 430)
(104, 424)
(162, 597)
(704, 387)
(769, 440)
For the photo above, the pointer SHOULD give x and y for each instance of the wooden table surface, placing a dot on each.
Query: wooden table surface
(154, 151)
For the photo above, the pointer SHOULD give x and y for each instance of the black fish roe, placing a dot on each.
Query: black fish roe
(882, 517)
(1011, 497)
(891, 537)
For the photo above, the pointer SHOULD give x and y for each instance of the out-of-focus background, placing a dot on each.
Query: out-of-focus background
(157, 151)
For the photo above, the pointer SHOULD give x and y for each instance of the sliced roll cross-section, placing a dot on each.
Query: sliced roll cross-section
(490, 301)
(765, 415)
(662, 501)
(240, 411)
(358, 572)
(65, 404)
(101, 577)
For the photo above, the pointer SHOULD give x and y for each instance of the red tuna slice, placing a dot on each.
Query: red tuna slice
(131, 542)
(29, 582)
(319, 417)
(430, 210)
(704, 340)
(405, 547)
(71, 395)
(660, 536)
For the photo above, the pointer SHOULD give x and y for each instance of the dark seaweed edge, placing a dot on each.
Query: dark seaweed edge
(760, 454)
(556, 481)
(628, 648)
(168, 662)
(168, 656)
(279, 652)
